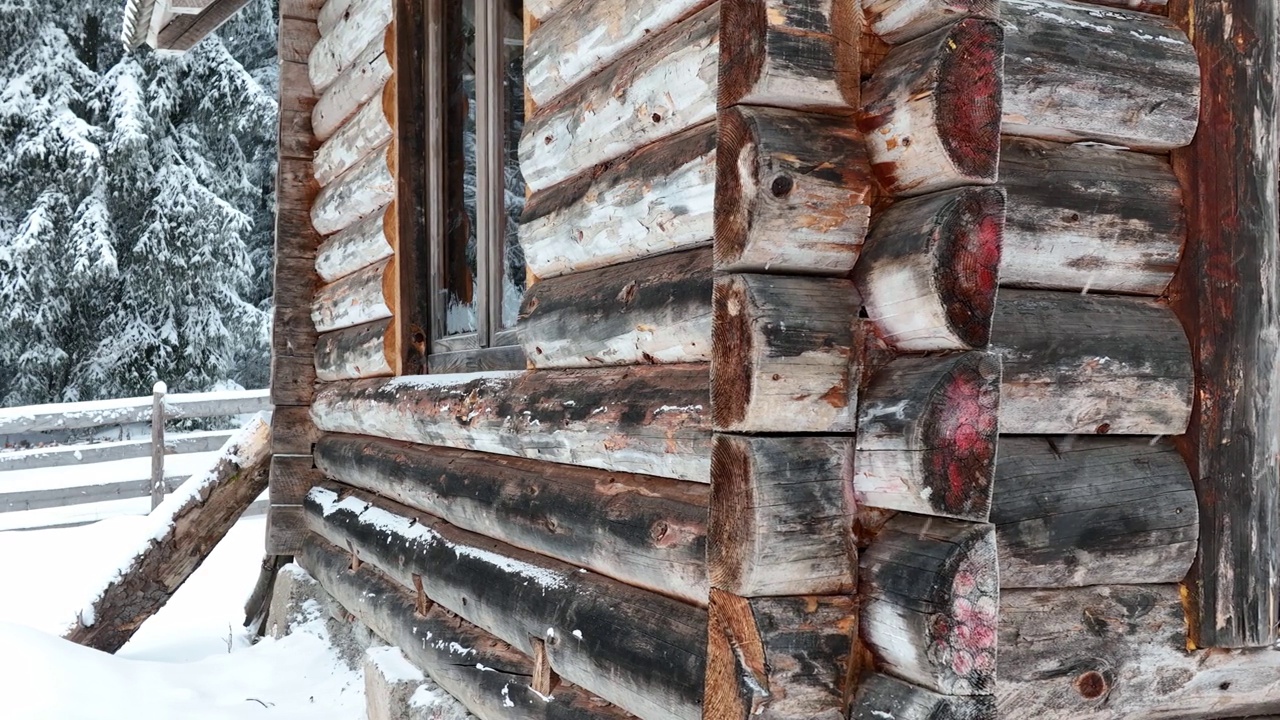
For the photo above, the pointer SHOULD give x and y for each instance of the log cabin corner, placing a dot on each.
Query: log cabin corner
(893, 360)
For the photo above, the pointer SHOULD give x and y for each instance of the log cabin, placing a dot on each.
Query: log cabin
(882, 360)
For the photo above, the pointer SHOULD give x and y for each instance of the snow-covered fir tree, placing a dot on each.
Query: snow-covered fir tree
(136, 205)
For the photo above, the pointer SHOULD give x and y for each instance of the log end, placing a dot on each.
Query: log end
(731, 522)
(959, 434)
(732, 379)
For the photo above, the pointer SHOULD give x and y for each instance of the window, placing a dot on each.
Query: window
(475, 108)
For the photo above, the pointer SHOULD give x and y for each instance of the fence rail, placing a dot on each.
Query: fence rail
(126, 411)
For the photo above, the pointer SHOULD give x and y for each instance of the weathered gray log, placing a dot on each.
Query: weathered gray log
(801, 54)
(368, 130)
(786, 355)
(360, 193)
(1092, 511)
(331, 14)
(927, 429)
(1116, 652)
(781, 514)
(931, 112)
(792, 192)
(358, 85)
(930, 268)
(897, 21)
(362, 22)
(359, 246)
(1091, 364)
(646, 419)
(672, 79)
(658, 199)
(125, 411)
(62, 456)
(778, 658)
(929, 589)
(884, 696)
(640, 650)
(362, 351)
(645, 531)
(190, 523)
(1081, 72)
(656, 310)
(487, 675)
(361, 297)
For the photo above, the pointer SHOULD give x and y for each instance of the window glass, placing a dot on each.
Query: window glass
(459, 255)
(513, 267)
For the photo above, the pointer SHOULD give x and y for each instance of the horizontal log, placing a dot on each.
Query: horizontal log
(655, 310)
(792, 192)
(362, 351)
(301, 9)
(672, 78)
(645, 531)
(358, 85)
(487, 675)
(1114, 652)
(778, 658)
(647, 419)
(331, 13)
(884, 696)
(931, 112)
(362, 22)
(371, 128)
(786, 355)
(126, 411)
(657, 199)
(359, 246)
(360, 193)
(1092, 511)
(927, 429)
(1091, 364)
(930, 269)
(65, 455)
(1081, 72)
(58, 497)
(359, 298)
(541, 10)
(296, 38)
(637, 649)
(929, 590)
(780, 516)
(897, 21)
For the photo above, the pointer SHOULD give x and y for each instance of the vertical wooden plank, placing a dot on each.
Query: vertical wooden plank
(410, 329)
(1226, 296)
(157, 443)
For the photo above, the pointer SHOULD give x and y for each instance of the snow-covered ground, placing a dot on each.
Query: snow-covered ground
(191, 661)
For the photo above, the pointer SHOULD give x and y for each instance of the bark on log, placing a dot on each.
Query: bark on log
(362, 22)
(368, 130)
(778, 658)
(645, 531)
(781, 513)
(487, 675)
(359, 246)
(648, 419)
(1091, 364)
(656, 310)
(929, 589)
(190, 522)
(1092, 511)
(792, 192)
(930, 269)
(658, 199)
(898, 21)
(358, 85)
(931, 112)
(362, 351)
(359, 298)
(637, 649)
(786, 356)
(927, 431)
(883, 696)
(360, 193)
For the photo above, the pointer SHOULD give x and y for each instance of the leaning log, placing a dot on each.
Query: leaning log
(362, 351)
(898, 21)
(361, 297)
(368, 130)
(188, 524)
(645, 531)
(358, 85)
(649, 419)
(362, 22)
(359, 246)
(360, 193)
(882, 697)
(637, 649)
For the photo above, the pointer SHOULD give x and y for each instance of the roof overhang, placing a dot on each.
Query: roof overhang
(175, 25)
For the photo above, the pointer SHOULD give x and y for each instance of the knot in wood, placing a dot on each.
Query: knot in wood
(1091, 685)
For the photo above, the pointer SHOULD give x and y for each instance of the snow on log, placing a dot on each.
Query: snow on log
(1092, 511)
(927, 429)
(882, 697)
(360, 193)
(781, 514)
(648, 419)
(931, 111)
(786, 355)
(930, 269)
(639, 650)
(800, 54)
(187, 526)
(1081, 72)
(64, 455)
(363, 22)
(358, 85)
(126, 411)
(792, 192)
(645, 531)
(488, 676)
(657, 199)
(331, 14)
(898, 21)
(929, 589)
(1091, 364)
(658, 89)
(656, 310)
(359, 246)
(362, 297)
(370, 128)
(778, 658)
(362, 351)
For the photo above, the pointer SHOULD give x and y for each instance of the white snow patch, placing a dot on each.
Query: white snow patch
(393, 665)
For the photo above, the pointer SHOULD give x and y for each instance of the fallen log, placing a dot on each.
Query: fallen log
(884, 696)
(359, 246)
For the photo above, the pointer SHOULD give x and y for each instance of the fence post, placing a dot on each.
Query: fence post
(157, 443)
